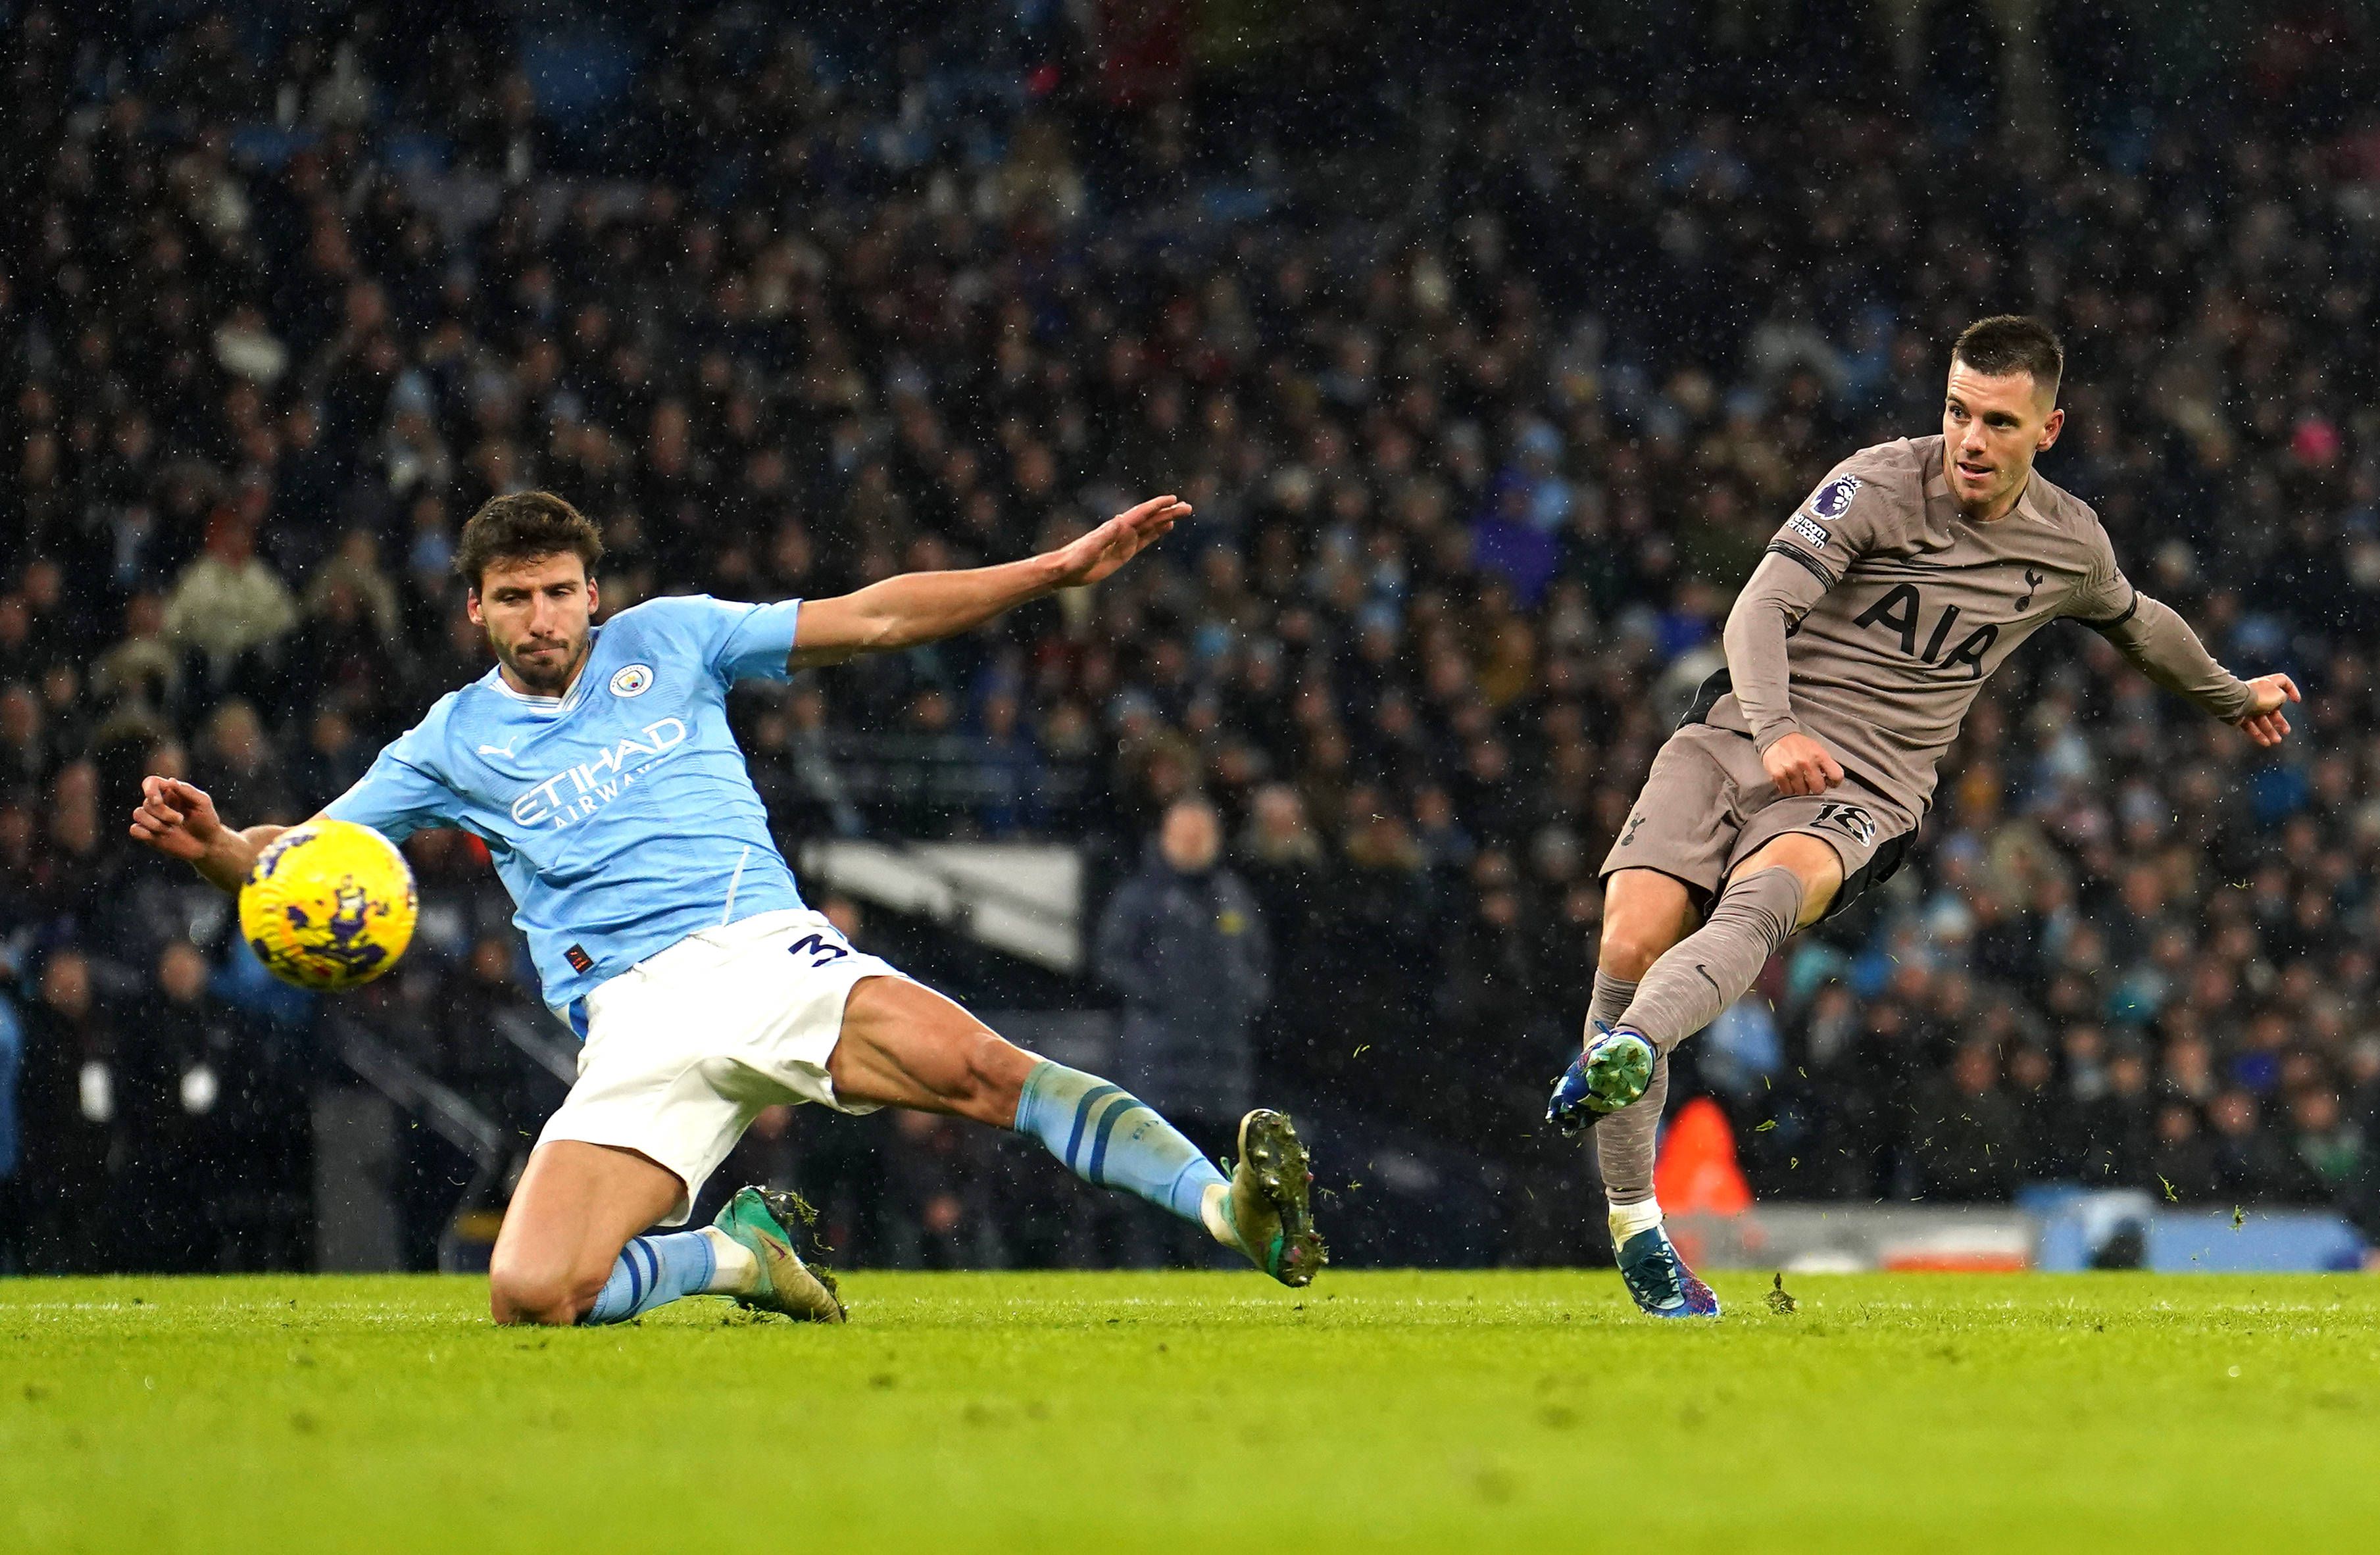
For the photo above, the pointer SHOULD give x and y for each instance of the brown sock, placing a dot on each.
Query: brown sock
(1711, 967)
(1623, 1141)
(1610, 1002)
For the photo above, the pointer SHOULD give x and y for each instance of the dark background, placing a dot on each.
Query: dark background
(1490, 348)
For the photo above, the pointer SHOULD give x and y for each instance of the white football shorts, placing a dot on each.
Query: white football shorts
(684, 1049)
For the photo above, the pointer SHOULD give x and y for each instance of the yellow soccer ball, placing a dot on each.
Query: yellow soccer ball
(330, 904)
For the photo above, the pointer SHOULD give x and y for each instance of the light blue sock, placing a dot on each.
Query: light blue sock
(652, 1271)
(1108, 1136)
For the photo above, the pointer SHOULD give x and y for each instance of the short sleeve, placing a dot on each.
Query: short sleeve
(1833, 527)
(396, 799)
(737, 641)
(2106, 598)
(758, 644)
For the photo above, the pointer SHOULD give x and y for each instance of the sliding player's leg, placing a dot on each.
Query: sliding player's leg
(568, 1223)
(903, 1045)
(570, 1252)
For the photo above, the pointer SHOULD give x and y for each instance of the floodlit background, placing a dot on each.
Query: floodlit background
(1491, 343)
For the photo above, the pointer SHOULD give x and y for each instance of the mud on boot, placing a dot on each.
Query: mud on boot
(766, 1222)
(1268, 1207)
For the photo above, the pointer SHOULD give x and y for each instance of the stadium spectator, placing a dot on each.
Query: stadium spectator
(2251, 1166)
(183, 1055)
(235, 759)
(141, 675)
(229, 603)
(1185, 946)
(1973, 1144)
(67, 1107)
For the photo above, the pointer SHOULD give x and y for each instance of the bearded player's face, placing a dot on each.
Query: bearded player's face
(1993, 426)
(539, 613)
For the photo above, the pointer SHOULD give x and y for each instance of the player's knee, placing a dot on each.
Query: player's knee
(1630, 946)
(522, 1292)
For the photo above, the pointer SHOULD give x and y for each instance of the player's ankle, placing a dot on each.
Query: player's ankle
(1633, 1219)
(734, 1270)
(1213, 1215)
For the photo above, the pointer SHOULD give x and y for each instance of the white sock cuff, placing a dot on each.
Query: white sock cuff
(734, 1269)
(1628, 1220)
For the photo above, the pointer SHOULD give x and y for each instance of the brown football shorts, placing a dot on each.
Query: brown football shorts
(1707, 805)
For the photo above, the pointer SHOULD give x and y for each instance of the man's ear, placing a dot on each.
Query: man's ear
(2051, 429)
(594, 600)
(471, 607)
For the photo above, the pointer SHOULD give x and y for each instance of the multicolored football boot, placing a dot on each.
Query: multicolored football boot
(1612, 1073)
(1661, 1280)
(764, 1222)
(1268, 1207)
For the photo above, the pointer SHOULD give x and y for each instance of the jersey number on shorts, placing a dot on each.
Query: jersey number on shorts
(818, 946)
(1849, 818)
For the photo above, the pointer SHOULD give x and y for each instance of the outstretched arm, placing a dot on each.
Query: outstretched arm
(2161, 646)
(920, 607)
(179, 820)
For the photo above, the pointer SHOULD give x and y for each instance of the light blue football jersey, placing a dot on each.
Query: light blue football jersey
(621, 816)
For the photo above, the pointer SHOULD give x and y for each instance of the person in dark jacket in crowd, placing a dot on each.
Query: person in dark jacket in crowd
(1971, 1133)
(67, 1112)
(2250, 1165)
(1183, 943)
(2120, 1126)
(179, 1055)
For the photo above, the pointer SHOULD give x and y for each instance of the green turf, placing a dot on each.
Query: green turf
(1442, 1413)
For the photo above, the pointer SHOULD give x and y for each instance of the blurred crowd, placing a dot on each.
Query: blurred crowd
(1486, 401)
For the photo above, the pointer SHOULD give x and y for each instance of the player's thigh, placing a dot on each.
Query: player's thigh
(903, 1045)
(1671, 852)
(575, 1209)
(1832, 842)
(1644, 912)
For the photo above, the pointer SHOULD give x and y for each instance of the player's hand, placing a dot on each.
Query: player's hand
(176, 819)
(1799, 766)
(1118, 540)
(2263, 721)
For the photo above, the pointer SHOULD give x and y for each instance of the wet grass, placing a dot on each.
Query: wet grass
(1055, 1412)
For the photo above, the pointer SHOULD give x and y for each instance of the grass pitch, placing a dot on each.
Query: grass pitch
(1054, 1412)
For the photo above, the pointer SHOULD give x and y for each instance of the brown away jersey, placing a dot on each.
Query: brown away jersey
(1919, 605)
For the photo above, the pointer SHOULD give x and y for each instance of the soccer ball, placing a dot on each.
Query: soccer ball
(329, 905)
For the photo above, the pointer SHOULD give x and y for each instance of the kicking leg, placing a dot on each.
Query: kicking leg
(1785, 885)
(903, 1045)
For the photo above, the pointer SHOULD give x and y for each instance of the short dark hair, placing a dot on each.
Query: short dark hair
(2009, 343)
(523, 527)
